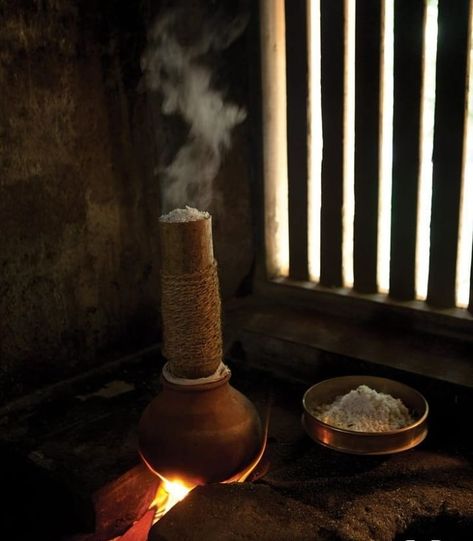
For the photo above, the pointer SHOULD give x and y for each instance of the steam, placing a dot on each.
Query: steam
(183, 79)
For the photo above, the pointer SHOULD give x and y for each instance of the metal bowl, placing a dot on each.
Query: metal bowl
(365, 443)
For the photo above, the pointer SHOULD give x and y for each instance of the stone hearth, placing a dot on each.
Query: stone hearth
(86, 434)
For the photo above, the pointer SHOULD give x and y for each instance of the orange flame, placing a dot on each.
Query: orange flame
(171, 492)
(168, 494)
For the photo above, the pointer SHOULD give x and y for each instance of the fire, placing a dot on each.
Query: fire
(169, 493)
(176, 490)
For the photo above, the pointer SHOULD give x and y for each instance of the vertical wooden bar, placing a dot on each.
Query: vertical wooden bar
(452, 54)
(470, 304)
(256, 147)
(367, 124)
(408, 65)
(273, 86)
(297, 142)
(470, 135)
(332, 33)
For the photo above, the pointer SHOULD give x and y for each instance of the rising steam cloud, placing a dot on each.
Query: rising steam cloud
(184, 81)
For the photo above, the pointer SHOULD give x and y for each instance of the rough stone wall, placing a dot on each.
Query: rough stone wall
(79, 268)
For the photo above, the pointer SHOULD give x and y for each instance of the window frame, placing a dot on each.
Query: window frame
(296, 290)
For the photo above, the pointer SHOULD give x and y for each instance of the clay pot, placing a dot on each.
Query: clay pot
(199, 433)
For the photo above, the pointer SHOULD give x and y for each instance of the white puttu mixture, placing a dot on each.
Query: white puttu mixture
(187, 214)
(365, 410)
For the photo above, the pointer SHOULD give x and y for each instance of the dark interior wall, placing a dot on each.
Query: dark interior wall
(80, 143)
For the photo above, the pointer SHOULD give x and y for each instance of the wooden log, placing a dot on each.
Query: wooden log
(140, 530)
(122, 502)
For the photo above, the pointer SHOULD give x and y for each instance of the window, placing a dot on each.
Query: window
(368, 151)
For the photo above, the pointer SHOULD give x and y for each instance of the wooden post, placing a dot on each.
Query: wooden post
(332, 33)
(452, 56)
(367, 114)
(297, 87)
(408, 50)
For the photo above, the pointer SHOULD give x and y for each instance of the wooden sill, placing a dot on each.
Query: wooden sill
(296, 337)
(414, 315)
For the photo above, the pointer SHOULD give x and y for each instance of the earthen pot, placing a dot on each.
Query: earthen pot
(199, 433)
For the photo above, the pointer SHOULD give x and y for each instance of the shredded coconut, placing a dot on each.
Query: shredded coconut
(365, 410)
(187, 214)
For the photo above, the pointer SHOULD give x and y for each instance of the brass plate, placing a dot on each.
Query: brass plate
(365, 443)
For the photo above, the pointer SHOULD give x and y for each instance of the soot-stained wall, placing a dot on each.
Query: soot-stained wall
(80, 146)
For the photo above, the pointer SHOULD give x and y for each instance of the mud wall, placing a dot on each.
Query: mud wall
(80, 144)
